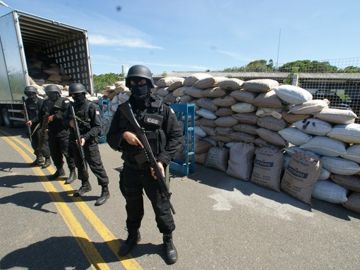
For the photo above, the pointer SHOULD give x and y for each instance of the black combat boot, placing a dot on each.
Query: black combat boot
(47, 163)
(72, 177)
(105, 194)
(37, 162)
(131, 241)
(59, 172)
(85, 187)
(169, 249)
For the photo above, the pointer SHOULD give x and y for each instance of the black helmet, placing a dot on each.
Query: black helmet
(76, 88)
(139, 71)
(52, 88)
(30, 90)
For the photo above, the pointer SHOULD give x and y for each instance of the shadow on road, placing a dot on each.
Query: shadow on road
(218, 179)
(36, 200)
(64, 253)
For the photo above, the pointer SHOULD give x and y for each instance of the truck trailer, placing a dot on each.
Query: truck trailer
(22, 35)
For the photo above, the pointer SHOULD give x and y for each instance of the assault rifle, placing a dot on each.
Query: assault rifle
(27, 118)
(43, 130)
(78, 137)
(126, 110)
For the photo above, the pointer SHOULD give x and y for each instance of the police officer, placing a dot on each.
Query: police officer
(89, 122)
(39, 141)
(165, 137)
(55, 109)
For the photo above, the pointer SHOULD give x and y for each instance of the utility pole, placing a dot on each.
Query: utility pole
(278, 50)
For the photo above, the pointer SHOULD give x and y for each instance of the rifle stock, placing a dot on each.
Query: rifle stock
(126, 110)
(78, 138)
(27, 118)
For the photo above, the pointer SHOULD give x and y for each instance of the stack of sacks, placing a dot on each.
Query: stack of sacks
(333, 136)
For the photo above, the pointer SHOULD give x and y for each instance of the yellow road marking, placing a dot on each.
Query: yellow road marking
(128, 262)
(73, 224)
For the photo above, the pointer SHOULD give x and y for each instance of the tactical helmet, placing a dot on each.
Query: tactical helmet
(140, 71)
(52, 88)
(76, 88)
(30, 90)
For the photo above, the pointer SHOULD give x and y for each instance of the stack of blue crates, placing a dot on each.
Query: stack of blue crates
(186, 115)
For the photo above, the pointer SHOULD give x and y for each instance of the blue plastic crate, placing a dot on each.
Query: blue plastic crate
(186, 115)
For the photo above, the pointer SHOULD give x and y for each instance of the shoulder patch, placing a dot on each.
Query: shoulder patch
(97, 112)
(67, 101)
(171, 110)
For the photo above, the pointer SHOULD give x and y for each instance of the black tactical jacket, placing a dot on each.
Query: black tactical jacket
(164, 140)
(34, 109)
(59, 109)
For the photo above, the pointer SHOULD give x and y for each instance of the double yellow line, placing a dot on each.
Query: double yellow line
(73, 224)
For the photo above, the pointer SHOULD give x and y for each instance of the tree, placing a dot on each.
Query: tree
(102, 80)
(351, 69)
(308, 66)
(254, 66)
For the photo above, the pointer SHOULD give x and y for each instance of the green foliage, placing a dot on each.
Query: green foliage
(254, 66)
(102, 80)
(308, 66)
(293, 67)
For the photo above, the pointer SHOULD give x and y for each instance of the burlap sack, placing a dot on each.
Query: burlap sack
(294, 136)
(206, 114)
(214, 92)
(167, 81)
(267, 169)
(200, 158)
(185, 99)
(330, 192)
(175, 85)
(205, 82)
(231, 84)
(224, 112)
(243, 96)
(223, 130)
(353, 153)
(190, 80)
(179, 92)
(260, 85)
(217, 158)
(301, 175)
(250, 129)
(206, 122)
(240, 161)
(350, 182)
(347, 133)
(292, 118)
(241, 137)
(309, 107)
(325, 146)
(246, 118)
(210, 131)
(261, 143)
(340, 166)
(226, 101)
(292, 94)
(194, 92)
(276, 113)
(324, 174)
(202, 147)
(226, 121)
(170, 98)
(353, 202)
(199, 132)
(206, 103)
(337, 116)
(271, 123)
(243, 107)
(221, 138)
(268, 100)
(313, 126)
(162, 92)
(271, 137)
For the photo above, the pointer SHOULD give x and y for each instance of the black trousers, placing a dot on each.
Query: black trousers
(59, 147)
(132, 184)
(39, 150)
(93, 159)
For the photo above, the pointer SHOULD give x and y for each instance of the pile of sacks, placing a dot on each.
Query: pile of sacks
(274, 135)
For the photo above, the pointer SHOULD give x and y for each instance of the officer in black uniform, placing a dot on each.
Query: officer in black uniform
(39, 141)
(55, 109)
(89, 122)
(165, 136)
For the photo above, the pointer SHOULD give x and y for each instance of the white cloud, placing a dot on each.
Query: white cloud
(122, 42)
(167, 65)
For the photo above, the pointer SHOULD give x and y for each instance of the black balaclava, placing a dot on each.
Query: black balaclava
(53, 96)
(33, 97)
(140, 95)
(79, 99)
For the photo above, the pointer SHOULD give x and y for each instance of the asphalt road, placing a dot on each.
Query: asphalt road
(222, 223)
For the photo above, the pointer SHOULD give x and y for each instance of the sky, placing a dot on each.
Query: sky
(199, 35)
